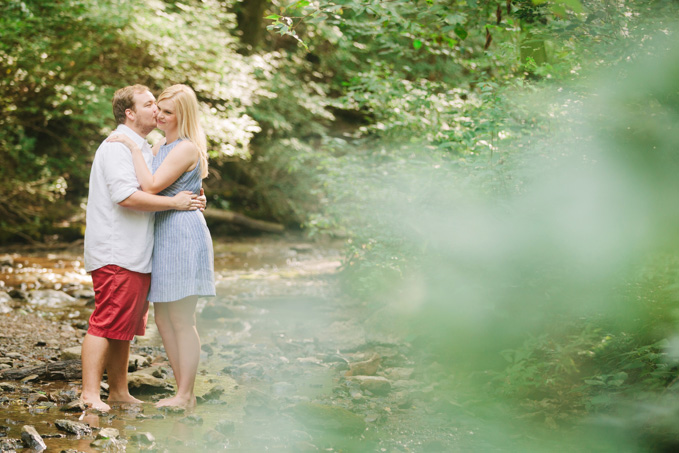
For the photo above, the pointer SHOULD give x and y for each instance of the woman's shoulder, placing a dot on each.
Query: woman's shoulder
(185, 146)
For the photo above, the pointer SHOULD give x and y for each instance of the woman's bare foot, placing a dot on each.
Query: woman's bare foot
(96, 403)
(178, 401)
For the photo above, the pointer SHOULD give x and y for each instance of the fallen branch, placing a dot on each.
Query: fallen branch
(54, 371)
(240, 219)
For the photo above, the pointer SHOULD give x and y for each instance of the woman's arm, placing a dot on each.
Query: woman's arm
(182, 158)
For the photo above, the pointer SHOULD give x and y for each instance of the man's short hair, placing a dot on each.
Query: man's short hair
(123, 99)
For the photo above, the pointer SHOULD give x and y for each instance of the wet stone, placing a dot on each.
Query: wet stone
(143, 438)
(36, 398)
(108, 433)
(214, 438)
(50, 298)
(4, 430)
(5, 302)
(32, 439)
(18, 294)
(143, 383)
(373, 384)
(10, 445)
(226, 427)
(213, 394)
(71, 353)
(79, 429)
(74, 406)
(192, 420)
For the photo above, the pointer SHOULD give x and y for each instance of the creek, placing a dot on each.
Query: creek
(288, 361)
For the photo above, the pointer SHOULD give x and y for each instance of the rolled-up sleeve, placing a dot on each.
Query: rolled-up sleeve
(119, 172)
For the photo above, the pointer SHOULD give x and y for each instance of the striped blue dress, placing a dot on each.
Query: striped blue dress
(183, 260)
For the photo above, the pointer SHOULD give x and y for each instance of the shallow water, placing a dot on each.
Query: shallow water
(277, 340)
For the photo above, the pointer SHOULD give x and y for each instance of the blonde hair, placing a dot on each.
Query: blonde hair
(188, 121)
(123, 99)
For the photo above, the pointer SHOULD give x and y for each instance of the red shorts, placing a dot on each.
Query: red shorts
(121, 306)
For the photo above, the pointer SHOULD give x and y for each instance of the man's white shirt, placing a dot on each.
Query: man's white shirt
(113, 234)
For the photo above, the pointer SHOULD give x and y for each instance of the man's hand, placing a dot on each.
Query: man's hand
(203, 199)
(187, 201)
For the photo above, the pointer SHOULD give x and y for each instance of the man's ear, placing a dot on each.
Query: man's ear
(129, 113)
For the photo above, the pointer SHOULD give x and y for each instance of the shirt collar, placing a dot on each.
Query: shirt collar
(138, 139)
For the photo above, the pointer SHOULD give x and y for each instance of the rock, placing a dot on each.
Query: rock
(36, 398)
(32, 439)
(79, 429)
(50, 298)
(10, 445)
(18, 294)
(213, 437)
(365, 368)
(214, 311)
(77, 405)
(142, 383)
(329, 418)
(5, 302)
(145, 439)
(192, 419)
(14, 355)
(136, 361)
(373, 384)
(258, 403)
(213, 394)
(226, 427)
(80, 293)
(399, 374)
(73, 353)
(6, 260)
(6, 387)
(108, 433)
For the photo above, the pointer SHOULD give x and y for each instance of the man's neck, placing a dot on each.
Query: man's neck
(138, 131)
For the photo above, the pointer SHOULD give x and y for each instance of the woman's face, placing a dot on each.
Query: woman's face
(167, 119)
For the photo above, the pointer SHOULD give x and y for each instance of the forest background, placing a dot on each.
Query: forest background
(503, 173)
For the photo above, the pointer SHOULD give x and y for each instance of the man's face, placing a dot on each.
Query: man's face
(145, 112)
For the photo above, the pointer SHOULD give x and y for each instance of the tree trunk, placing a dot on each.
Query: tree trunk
(250, 15)
(240, 219)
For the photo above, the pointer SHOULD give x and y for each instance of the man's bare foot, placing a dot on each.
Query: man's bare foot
(178, 401)
(96, 403)
(123, 399)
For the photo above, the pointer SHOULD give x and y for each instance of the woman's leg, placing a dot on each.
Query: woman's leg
(161, 313)
(182, 319)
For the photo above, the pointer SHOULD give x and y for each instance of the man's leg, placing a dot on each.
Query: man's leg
(116, 371)
(94, 355)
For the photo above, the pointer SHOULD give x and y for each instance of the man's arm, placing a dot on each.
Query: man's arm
(142, 201)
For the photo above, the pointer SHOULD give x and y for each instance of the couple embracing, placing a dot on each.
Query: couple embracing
(146, 241)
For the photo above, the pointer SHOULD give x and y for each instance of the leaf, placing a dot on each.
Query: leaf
(454, 19)
(461, 32)
(575, 5)
(273, 17)
(417, 44)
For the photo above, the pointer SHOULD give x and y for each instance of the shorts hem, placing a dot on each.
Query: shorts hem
(103, 333)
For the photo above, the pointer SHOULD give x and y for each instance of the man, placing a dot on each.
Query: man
(118, 247)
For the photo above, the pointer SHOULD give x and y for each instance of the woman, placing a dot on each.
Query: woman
(183, 264)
